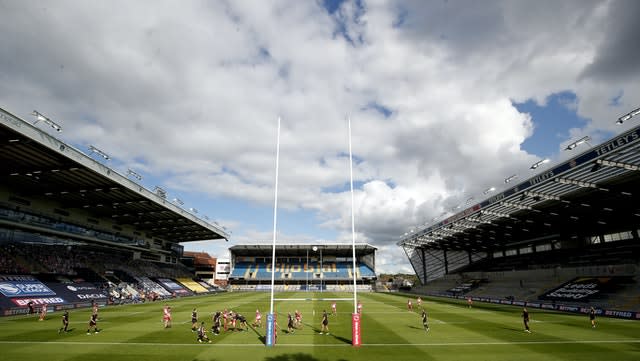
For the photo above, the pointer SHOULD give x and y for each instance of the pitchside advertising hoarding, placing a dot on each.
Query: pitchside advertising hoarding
(631, 315)
(23, 286)
(79, 292)
(17, 291)
(20, 290)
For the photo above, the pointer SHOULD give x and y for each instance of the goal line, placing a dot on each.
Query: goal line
(313, 299)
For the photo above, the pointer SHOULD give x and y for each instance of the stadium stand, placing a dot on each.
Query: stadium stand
(302, 267)
(299, 271)
(571, 229)
(73, 230)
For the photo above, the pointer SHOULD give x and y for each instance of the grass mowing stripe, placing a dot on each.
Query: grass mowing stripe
(390, 332)
(631, 341)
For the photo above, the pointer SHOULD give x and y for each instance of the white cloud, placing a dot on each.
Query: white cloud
(191, 93)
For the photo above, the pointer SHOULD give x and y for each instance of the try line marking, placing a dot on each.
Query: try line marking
(313, 299)
(446, 344)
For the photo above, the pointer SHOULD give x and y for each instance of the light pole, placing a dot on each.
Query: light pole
(321, 270)
(306, 270)
(315, 249)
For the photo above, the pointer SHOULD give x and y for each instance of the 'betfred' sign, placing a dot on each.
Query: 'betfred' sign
(38, 301)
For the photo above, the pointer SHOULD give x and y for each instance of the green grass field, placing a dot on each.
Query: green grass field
(389, 332)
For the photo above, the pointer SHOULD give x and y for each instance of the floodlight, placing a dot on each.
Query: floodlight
(134, 174)
(178, 200)
(584, 139)
(104, 155)
(160, 192)
(51, 123)
(510, 178)
(628, 116)
(539, 163)
(488, 190)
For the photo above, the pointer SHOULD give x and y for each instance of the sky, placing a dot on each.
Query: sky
(445, 98)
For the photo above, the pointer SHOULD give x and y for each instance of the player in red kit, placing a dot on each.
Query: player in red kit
(43, 312)
(298, 319)
(258, 320)
(166, 316)
(225, 319)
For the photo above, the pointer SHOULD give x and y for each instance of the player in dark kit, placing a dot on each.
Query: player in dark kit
(93, 324)
(425, 321)
(202, 334)
(215, 329)
(290, 326)
(65, 322)
(592, 317)
(242, 320)
(94, 309)
(31, 309)
(194, 320)
(325, 322)
(525, 319)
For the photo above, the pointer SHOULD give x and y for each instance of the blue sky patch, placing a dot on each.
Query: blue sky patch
(552, 122)
(386, 112)
(332, 5)
(615, 100)
(401, 17)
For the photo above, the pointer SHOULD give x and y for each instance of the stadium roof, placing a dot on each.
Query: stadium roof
(334, 249)
(38, 165)
(597, 192)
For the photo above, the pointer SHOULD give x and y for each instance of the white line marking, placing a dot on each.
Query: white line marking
(504, 343)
